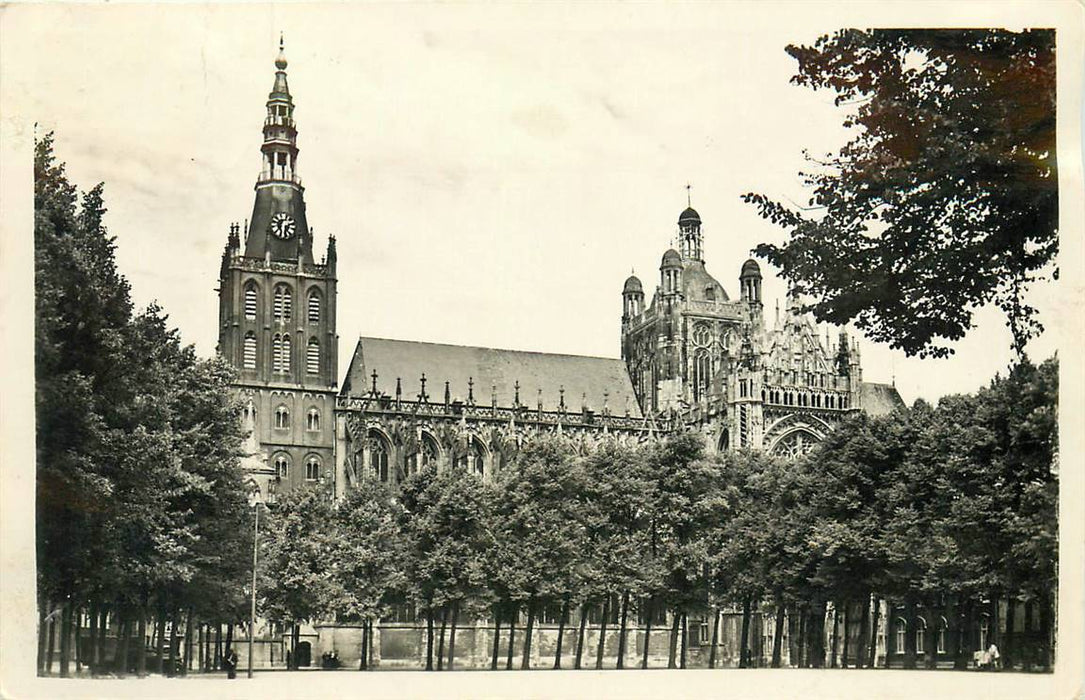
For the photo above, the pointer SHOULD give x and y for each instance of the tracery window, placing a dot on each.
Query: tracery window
(280, 352)
(701, 370)
(942, 625)
(281, 306)
(378, 457)
(425, 455)
(701, 334)
(920, 635)
(473, 459)
(282, 417)
(312, 420)
(794, 444)
(901, 632)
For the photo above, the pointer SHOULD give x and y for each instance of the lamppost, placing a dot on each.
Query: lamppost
(254, 501)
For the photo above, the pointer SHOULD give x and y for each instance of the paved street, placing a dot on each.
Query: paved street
(727, 683)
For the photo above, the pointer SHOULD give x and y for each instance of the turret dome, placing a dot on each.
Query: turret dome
(689, 216)
(633, 286)
(671, 259)
(750, 268)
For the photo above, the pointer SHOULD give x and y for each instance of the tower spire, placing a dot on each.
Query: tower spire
(279, 227)
(689, 202)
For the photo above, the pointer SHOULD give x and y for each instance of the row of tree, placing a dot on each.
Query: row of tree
(141, 512)
(940, 507)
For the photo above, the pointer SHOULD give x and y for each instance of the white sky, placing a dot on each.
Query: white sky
(491, 174)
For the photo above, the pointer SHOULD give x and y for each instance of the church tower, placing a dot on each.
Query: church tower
(277, 316)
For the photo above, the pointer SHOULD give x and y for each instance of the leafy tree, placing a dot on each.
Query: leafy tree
(539, 530)
(445, 525)
(366, 556)
(297, 547)
(946, 199)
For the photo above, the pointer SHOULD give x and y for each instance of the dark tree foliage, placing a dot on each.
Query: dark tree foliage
(140, 508)
(945, 199)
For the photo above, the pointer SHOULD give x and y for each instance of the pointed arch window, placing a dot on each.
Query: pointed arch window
(942, 625)
(901, 630)
(985, 628)
(282, 417)
(314, 306)
(701, 369)
(312, 356)
(920, 635)
(280, 352)
(473, 459)
(252, 301)
(425, 455)
(282, 303)
(312, 468)
(248, 351)
(312, 420)
(378, 457)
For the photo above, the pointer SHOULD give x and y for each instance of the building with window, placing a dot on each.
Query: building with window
(692, 356)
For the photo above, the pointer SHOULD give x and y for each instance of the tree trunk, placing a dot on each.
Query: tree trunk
(141, 632)
(441, 639)
(121, 654)
(497, 636)
(513, 614)
(43, 634)
(65, 639)
(800, 649)
(602, 633)
(838, 610)
(429, 639)
(778, 633)
(373, 643)
(648, 631)
(103, 627)
(363, 653)
(580, 635)
(930, 639)
(50, 647)
(621, 631)
(818, 641)
(682, 655)
(912, 617)
(1009, 641)
(189, 630)
(216, 661)
(160, 639)
(1046, 615)
(672, 653)
(230, 639)
(93, 659)
(864, 632)
(77, 631)
(561, 630)
(174, 615)
(1029, 648)
(873, 644)
(525, 662)
(744, 637)
(452, 635)
(715, 637)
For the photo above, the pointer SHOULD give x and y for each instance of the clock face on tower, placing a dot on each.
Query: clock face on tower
(282, 226)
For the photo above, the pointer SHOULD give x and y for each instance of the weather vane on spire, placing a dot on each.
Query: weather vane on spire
(689, 202)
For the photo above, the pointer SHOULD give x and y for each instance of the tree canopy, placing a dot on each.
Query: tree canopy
(946, 197)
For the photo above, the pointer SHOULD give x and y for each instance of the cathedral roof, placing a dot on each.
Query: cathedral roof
(584, 379)
(879, 399)
(696, 282)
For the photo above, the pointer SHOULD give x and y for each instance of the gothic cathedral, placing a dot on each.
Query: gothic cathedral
(691, 357)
